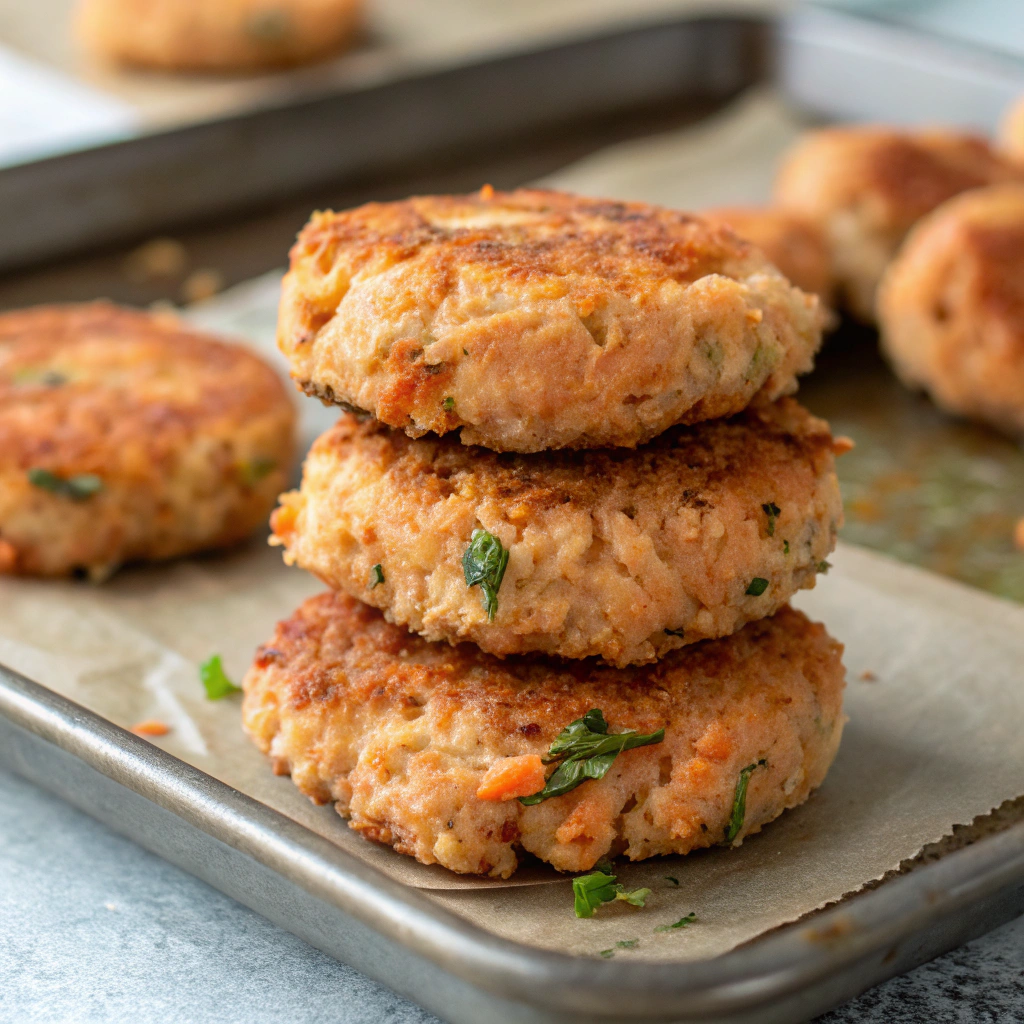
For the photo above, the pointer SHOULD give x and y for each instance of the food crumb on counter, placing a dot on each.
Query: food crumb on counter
(151, 727)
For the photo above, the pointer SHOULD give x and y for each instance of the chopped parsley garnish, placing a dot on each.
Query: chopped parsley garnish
(823, 567)
(448, 404)
(785, 547)
(739, 801)
(38, 376)
(78, 487)
(621, 944)
(681, 923)
(669, 878)
(484, 564)
(772, 511)
(254, 470)
(757, 586)
(586, 750)
(376, 576)
(590, 891)
(215, 680)
(675, 632)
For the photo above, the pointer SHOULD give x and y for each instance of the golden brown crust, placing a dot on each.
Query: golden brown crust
(795, 244)
(867, 186)
(229, 35)
(623, 554)
(1011, 133)
(952, 306)
(536, 319)
(190, 436)
(400, 732)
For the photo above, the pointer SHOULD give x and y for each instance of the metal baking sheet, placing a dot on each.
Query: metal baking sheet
(463, 972)
(464, 76)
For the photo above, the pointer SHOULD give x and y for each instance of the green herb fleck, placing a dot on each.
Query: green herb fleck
(77, 488)
(376, 576)
(627, 943)
(772, 511)
(785, 547)
(739, 801)
(484, 564)
(465, 351)
(758, 585)
(607, 953)
(252, 471)
(590, 891)
(675, 632)
(681, 923)
(669, 878)
(823, 567)
(215, 680)
(586, 751)
(448, 404)
(34, 375)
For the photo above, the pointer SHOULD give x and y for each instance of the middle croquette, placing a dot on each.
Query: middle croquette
(426, 747)
(621, 554)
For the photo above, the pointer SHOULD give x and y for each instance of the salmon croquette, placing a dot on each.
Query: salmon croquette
(624, 554)
(1011, 132)
(227, 35)
(433, 749)
(531, 320)
(866, 187)
(127, 437)
(952, 307)
(795, 245)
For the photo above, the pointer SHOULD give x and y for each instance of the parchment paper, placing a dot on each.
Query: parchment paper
(933, 741)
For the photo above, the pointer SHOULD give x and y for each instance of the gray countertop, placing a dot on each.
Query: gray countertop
(94, 929)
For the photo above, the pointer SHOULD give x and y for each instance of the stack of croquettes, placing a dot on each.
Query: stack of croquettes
(561, 518)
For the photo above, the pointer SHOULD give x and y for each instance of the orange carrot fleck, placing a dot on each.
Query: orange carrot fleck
(715, 744)
(512, 777)
(8, 557)
(151, 727)
(282, 520)
(487, 192)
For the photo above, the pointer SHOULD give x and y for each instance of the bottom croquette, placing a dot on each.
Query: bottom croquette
(126, 436)
(427, 748)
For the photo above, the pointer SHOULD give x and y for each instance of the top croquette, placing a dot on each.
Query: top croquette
(126, 436)
(534, 320)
